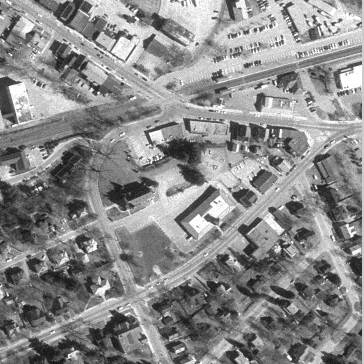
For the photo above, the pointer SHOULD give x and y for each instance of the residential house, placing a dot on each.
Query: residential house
(355, 250)
(206, 212)
(327, 168)
(340, 213)
(308, 293)
(223, 288)
(247, 197)
(233, 263)
(322, 266)
(98, 286)
(259, 133)
(167, 320)
(304, 234)
(281, 215)
(170, 333)
(38, 263)
(14, 275)
(289, 82)
(58, 257)
(292, 309)
(280, 164)
(264, 181)
(60, 306)
(186, 359)
(88, 245)
(177, 347)
(194, 297)
(18, 161)
(83, 257)
(296, 351)
(291, 250)
(237, 357)
(346, 231)
(11, 328)
(35, 316)
(212, 308)
(129, 335)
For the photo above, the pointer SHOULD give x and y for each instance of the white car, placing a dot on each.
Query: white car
(122, 134)
(206, 254)
(53, 331)
(112, 140)
(120, 308)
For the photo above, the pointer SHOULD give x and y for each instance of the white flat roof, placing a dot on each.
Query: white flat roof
(218, 206)
(19, 98)
(198, 223)
(351, 77)
(269, 219)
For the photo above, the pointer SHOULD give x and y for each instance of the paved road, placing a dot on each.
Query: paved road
(61, 125)
(186, 270)
(264, 74)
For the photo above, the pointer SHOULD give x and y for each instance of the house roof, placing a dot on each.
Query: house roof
(240, 132)
(18, 160)
(248, 197)
(111, 85)
(86, 7)
(327, 169)
(298, 145)
(264, 181)
(282, 216)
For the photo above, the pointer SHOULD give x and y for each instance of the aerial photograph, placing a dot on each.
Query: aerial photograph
(180, 181)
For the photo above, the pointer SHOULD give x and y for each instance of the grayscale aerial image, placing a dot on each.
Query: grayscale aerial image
(180, 181)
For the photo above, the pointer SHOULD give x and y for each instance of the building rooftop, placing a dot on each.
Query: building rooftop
(17, 160)
(51, 5)
(165, 132)
(351, 77)
(207, 127)
(264, 181)
(280, 103)
(157, 48)
(212, 207)
(324, 6)
(79, 21)
(105, 41)
(327, 169)
(124, 47)
(177, 32)
(22, 27)
(240, 132)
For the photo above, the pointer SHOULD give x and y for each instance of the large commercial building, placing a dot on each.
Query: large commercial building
(350, 77)
(125, 46)
(177, 32)
(263, 234)
(165, 133)
(212, 207)
(275, 104)
(323, 6)
(18, 97)
(206, 127)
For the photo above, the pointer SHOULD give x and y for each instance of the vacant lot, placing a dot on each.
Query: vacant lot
(151, 252)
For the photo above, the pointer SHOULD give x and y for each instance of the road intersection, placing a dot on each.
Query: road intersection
(172, 105)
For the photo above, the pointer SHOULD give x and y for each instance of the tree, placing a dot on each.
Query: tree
(192, 175)
(334, 278)
(283, 292)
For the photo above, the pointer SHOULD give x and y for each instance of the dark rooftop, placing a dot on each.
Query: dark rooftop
(264, 181)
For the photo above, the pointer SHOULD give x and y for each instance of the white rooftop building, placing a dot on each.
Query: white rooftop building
(351, 77)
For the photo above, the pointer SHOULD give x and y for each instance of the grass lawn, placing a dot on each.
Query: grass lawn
(115, 169)
(151, 250)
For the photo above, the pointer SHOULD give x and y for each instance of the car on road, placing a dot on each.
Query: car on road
(332, 237)
(128, 304)
(277, 189)
(53, 331)
(9, 260)
(206, 254)
(120, 308)
(122, 134)
(112, 140)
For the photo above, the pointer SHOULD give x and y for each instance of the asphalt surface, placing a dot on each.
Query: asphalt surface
(264, 74)
(62, 125)
(178, 276)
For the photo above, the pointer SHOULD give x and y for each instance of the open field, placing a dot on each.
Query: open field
(151, 251)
